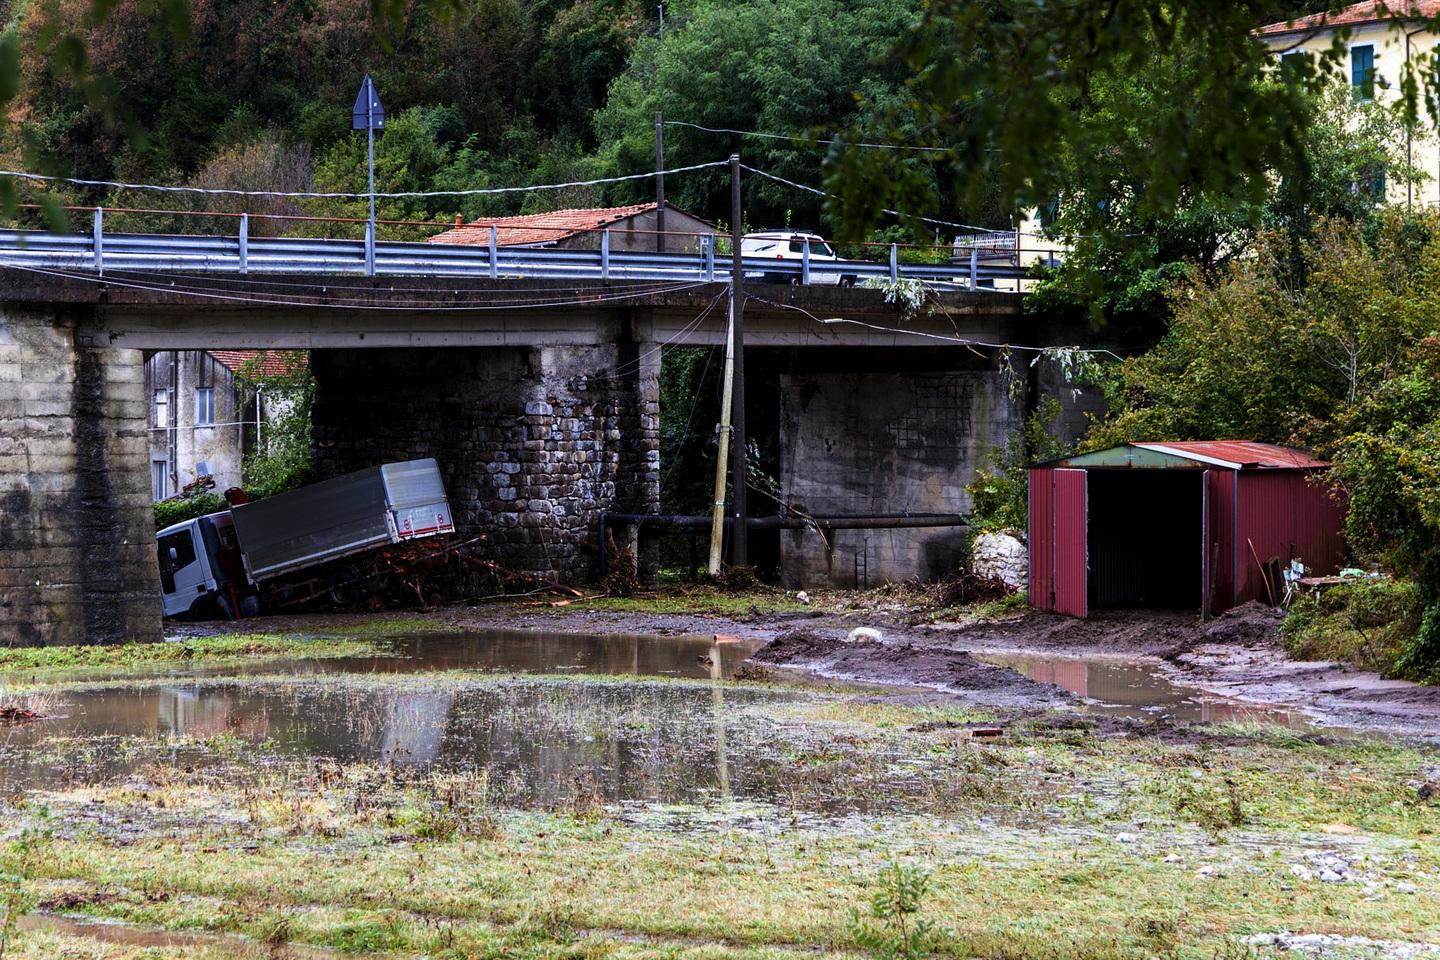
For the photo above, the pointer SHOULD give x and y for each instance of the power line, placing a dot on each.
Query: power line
(806, 140)
(964, 341)
(479, 191)
(444, 307)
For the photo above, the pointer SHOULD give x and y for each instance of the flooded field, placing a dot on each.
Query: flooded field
(503, 793)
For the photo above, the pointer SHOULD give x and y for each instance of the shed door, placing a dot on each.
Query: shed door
(1072, 508)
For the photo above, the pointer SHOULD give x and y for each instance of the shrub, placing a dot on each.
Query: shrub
(180, 509)
(1374, 624)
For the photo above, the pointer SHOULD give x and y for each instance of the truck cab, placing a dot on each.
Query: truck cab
(793, 245)
(195, 577)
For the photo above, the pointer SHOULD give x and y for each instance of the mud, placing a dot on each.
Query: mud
(907, 663)
(1238, 656)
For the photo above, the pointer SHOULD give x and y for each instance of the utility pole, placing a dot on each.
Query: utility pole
(659, 182)
(722, 452)
(739, 556)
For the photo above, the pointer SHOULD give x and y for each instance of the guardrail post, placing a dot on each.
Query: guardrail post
(370, 249)
(805, 263)
(605, 254)
(709, 243)
(894, 263)
(244, 243)
(494, 269)
(974, 269)
(97, 239)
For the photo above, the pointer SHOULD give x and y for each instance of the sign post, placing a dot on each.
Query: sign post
(369, 115)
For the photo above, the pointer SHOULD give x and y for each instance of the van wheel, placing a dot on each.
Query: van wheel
(847, 281)
(250, 606)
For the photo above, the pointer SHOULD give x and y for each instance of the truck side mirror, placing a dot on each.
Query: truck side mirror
(174, 555)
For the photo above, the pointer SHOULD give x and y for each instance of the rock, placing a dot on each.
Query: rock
(1172, 858)
(1001, 556)
(865, 635)
(1206, 871)
(1125, 838)
(1426, 791)
(1331, 876)
(803, 597)
(1405, 886)
(1340, 828)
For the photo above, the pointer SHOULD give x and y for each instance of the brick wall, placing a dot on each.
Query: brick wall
(532, 443)
(77, 548)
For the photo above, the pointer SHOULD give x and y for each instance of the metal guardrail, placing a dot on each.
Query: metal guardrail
(243, 254)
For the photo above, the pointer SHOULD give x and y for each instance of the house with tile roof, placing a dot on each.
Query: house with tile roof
(1380, 37)
(632, 228)
(204, 416)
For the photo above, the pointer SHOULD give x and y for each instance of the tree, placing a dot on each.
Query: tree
(1010, 121)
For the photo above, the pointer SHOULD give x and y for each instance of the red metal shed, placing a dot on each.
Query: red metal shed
(1186, 525)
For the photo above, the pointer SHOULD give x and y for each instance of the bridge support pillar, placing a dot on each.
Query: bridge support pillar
(77, 547)
(533, 442)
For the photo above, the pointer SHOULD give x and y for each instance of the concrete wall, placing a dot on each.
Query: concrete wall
(533, 442)
(77, 549)
(880, 431)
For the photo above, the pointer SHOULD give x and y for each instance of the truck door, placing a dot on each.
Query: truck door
(183, 573)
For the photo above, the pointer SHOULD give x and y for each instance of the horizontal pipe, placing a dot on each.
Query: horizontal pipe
(882, 521)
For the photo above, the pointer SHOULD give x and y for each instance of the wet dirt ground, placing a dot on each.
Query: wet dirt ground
(571, 784)
(1234, 666)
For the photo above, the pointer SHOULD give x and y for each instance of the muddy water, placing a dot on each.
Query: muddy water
(1137, 689)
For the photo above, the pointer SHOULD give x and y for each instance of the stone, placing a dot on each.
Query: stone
(1001, 556)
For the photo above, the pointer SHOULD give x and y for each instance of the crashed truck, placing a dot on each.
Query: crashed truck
(361, 536)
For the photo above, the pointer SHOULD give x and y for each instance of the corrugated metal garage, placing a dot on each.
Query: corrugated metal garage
(1192, 525)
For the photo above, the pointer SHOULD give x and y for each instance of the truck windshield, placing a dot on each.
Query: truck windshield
(184, 547)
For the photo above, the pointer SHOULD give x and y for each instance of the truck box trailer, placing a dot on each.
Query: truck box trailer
(298, 545)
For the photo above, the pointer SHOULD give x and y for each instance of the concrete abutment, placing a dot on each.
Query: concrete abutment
(77, 549)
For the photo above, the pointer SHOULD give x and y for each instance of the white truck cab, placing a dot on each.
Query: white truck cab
(791, 245)
(191, 574)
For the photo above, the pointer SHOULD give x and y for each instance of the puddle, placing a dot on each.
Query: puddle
(1122, 688)
(129, 935)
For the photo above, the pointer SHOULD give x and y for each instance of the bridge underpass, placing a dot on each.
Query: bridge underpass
(540, 402)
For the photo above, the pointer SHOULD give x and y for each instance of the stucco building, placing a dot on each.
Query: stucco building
(632, 228)
(1379, 39)
(203, 417)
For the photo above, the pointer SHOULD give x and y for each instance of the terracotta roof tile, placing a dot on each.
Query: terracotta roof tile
(275, 363)
(539, 227)
(1371, 11)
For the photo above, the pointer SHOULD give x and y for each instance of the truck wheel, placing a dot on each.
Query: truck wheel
(847, 281)
(342, 588)
(250, 606)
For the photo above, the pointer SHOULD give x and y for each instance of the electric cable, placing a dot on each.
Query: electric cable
(478, 191)
(807, 140)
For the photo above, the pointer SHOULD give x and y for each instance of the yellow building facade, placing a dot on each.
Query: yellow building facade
(1378, 43)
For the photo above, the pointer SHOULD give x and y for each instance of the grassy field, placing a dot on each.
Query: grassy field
(1061, 839)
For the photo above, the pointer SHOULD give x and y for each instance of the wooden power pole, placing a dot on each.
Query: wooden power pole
(739, 555)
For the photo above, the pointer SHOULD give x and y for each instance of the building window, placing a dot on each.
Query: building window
(1373, 184)
(205, 407)
(162, 408)
(1362, 71)
(159, 479)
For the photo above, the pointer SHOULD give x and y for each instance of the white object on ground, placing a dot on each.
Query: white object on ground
(1002, 557)
(863, 634)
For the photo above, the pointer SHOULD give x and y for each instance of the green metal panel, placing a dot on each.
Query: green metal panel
(1129, 456)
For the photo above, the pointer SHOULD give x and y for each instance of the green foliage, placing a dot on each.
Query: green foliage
(1340, 355)
(284, 458)
(18, 858)
(180, 509)
(1370, 623)
(999, 496)
(892, 930)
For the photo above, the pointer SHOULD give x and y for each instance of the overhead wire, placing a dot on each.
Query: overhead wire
(442, 307)
(307, 195)
(807, 140)
(964, 341)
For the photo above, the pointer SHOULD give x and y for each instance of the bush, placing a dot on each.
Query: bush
(180, 509)
(1374, 624)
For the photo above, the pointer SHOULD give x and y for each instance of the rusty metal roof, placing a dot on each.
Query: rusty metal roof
(1193, 454)
(1239, 454)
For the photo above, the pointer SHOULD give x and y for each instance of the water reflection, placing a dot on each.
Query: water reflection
(1139, 690)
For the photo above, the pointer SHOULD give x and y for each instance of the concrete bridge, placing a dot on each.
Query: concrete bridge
(539, 398)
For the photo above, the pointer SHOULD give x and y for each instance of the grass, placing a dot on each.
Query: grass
(344, 640)
(1370, 624)
(1055, 841)
(699, 600)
